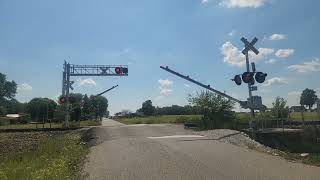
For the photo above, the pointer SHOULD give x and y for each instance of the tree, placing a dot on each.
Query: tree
(217, 111)
(279, 108)
(147, 108)
(8, 89)
(308, 98)
(99, 104)
(41, 108)
(76, 102)
(86, 107)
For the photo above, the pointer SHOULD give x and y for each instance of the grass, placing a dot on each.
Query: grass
(308, 116)
(42, 155)
(160, 119)
(53, 125)
(242, 117)
(295, 116)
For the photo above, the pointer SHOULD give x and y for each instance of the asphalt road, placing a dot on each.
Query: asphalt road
(169, 152)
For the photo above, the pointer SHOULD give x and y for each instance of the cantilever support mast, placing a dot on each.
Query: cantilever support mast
(242, 103)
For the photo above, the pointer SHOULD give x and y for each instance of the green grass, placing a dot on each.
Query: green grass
(242, 117)
(308, 116)
(295, 116)
(56, 156)
(53, 125)
(160, 119)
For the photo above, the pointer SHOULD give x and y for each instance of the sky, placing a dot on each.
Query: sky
(199, 38)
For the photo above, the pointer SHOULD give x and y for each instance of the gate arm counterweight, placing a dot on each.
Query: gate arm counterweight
(242, 103)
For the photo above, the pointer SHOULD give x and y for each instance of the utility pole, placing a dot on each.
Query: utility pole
(245, 51)
(249, 84)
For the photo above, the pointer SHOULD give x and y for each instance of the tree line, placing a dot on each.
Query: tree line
(83, 107)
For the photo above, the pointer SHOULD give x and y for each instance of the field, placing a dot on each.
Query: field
(308, 116)
(160, 119)
(41, 155)
(242, 117)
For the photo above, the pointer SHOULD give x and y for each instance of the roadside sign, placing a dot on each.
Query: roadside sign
(249, 46)
(254, 88)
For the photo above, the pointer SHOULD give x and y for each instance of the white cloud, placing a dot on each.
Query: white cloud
(86, 82)
(284, 53)
(186, 85)
(232, 55)
(24, 87)
(204, 1)
(242, 3)
(275, 37)
(165, 91)
(271, 61)
(165, 82)
(309, 66)
(275, 81)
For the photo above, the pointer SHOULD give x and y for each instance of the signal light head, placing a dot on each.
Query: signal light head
(125, 70)
(121, 70)
(118, 70)
(260, 77)
(62, 100)
(247, 77)
(237, 80)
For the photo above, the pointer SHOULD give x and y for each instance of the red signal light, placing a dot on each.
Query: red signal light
(247, 77)
(118, 70)
(62, 99)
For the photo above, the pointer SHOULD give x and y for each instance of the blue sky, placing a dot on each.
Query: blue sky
(200, 38)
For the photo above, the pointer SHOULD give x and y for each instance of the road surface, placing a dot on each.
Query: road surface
(169, 152)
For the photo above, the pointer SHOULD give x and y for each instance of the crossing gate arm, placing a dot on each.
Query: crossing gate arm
(242, 103)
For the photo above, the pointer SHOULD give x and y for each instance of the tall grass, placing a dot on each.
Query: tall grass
(56, 157)
(53, 125)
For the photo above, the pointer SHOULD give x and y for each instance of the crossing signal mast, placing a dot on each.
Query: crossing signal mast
(85, 70)
(250, 77)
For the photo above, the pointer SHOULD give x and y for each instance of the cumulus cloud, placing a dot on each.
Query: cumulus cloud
(204, 1)
(309, 66)
(165, 82)
(271, 61)
(24, 87)
(242, 3)
(87, 82)
(276, 81)
(165, 91)
(232, 55)
(275, 37)
(186, 85)
(284, 53)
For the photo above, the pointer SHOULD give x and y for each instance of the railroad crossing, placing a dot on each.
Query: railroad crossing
(86, 70)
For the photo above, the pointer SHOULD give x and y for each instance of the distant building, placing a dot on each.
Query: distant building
(13, 116)
(297, 108)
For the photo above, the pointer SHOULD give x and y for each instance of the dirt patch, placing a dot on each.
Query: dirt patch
(94, 136)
